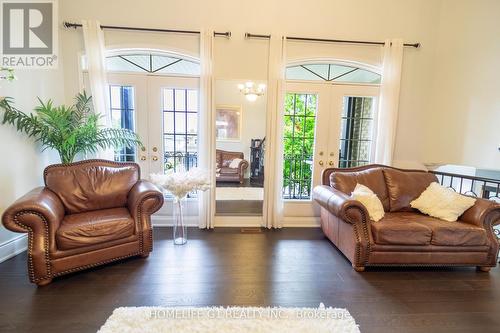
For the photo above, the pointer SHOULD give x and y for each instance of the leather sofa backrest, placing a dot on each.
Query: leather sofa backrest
(404, 186)
(92, 185)
(224, 158)
(346, 180)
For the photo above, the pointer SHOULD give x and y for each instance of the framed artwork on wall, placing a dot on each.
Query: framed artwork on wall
(228, 123)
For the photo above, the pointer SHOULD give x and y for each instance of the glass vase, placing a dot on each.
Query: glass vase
(180, 230)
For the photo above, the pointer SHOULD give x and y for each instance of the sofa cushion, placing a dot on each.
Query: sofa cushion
(401, 229)
(408, 228)
(89, 228)
(92, 185)
(456, 233)
(405, 186)
(346, 181)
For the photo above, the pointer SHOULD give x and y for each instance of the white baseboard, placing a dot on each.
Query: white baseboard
(239, 221)
(168, 221)
(13, 247)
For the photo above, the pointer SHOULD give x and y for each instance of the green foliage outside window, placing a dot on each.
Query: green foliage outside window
(299, 126)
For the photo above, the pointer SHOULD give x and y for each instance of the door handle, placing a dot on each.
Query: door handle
(155, 158)
(330, 163)
(143, 158)
(155, 149)
(320, 163)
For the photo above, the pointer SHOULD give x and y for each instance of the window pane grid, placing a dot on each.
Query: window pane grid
(355, 137)
(299, 123)
(123, 116)
(180, 133)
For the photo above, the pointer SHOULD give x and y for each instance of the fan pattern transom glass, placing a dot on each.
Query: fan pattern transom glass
(138, 61)
(151, 63)
(332, 73)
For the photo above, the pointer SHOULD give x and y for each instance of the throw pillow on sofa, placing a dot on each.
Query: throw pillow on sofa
(235, 163)
(442, 202)
(370, 200)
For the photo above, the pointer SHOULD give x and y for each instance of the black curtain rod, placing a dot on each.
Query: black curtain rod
(193, 32)
(306, 39)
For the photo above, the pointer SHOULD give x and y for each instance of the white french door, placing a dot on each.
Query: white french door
(325, 126)
(164, 112)
(173, 123)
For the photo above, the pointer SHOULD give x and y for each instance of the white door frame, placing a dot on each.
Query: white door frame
(327, 136)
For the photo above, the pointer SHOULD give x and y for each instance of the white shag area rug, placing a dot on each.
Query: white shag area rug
(231, 319)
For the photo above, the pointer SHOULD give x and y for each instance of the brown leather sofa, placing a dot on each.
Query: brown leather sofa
(89, 213)
(403, 237)
(224, 172)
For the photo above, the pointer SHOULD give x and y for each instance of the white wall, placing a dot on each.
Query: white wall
(412, 20)
(464, 110)
(253, 116)
(22, 162)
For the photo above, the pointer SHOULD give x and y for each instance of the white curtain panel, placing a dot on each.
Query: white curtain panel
(389, 101)
(273, 200)
(206, 128)
(95, 50)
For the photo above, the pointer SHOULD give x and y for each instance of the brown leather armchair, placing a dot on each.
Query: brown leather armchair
(224, 172)
(89, 213)
(404, 236)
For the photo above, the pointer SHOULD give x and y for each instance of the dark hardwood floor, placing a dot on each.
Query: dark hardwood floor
(290, 267)
(238, 207)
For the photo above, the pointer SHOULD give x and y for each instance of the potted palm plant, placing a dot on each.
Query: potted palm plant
(70, 130)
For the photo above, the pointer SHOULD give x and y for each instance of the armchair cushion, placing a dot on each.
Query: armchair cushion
(91, 185)
(89, 228)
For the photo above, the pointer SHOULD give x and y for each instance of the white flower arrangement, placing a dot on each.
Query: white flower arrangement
(180, 183)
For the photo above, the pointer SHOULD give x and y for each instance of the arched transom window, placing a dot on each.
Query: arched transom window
(149, 62)
(331, 72)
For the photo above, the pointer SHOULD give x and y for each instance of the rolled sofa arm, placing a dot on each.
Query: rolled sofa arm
(340, 204)
(41, 202)
(349, 211)
(39, 213)
(144, 198)
(484, 213)
(243, 165)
